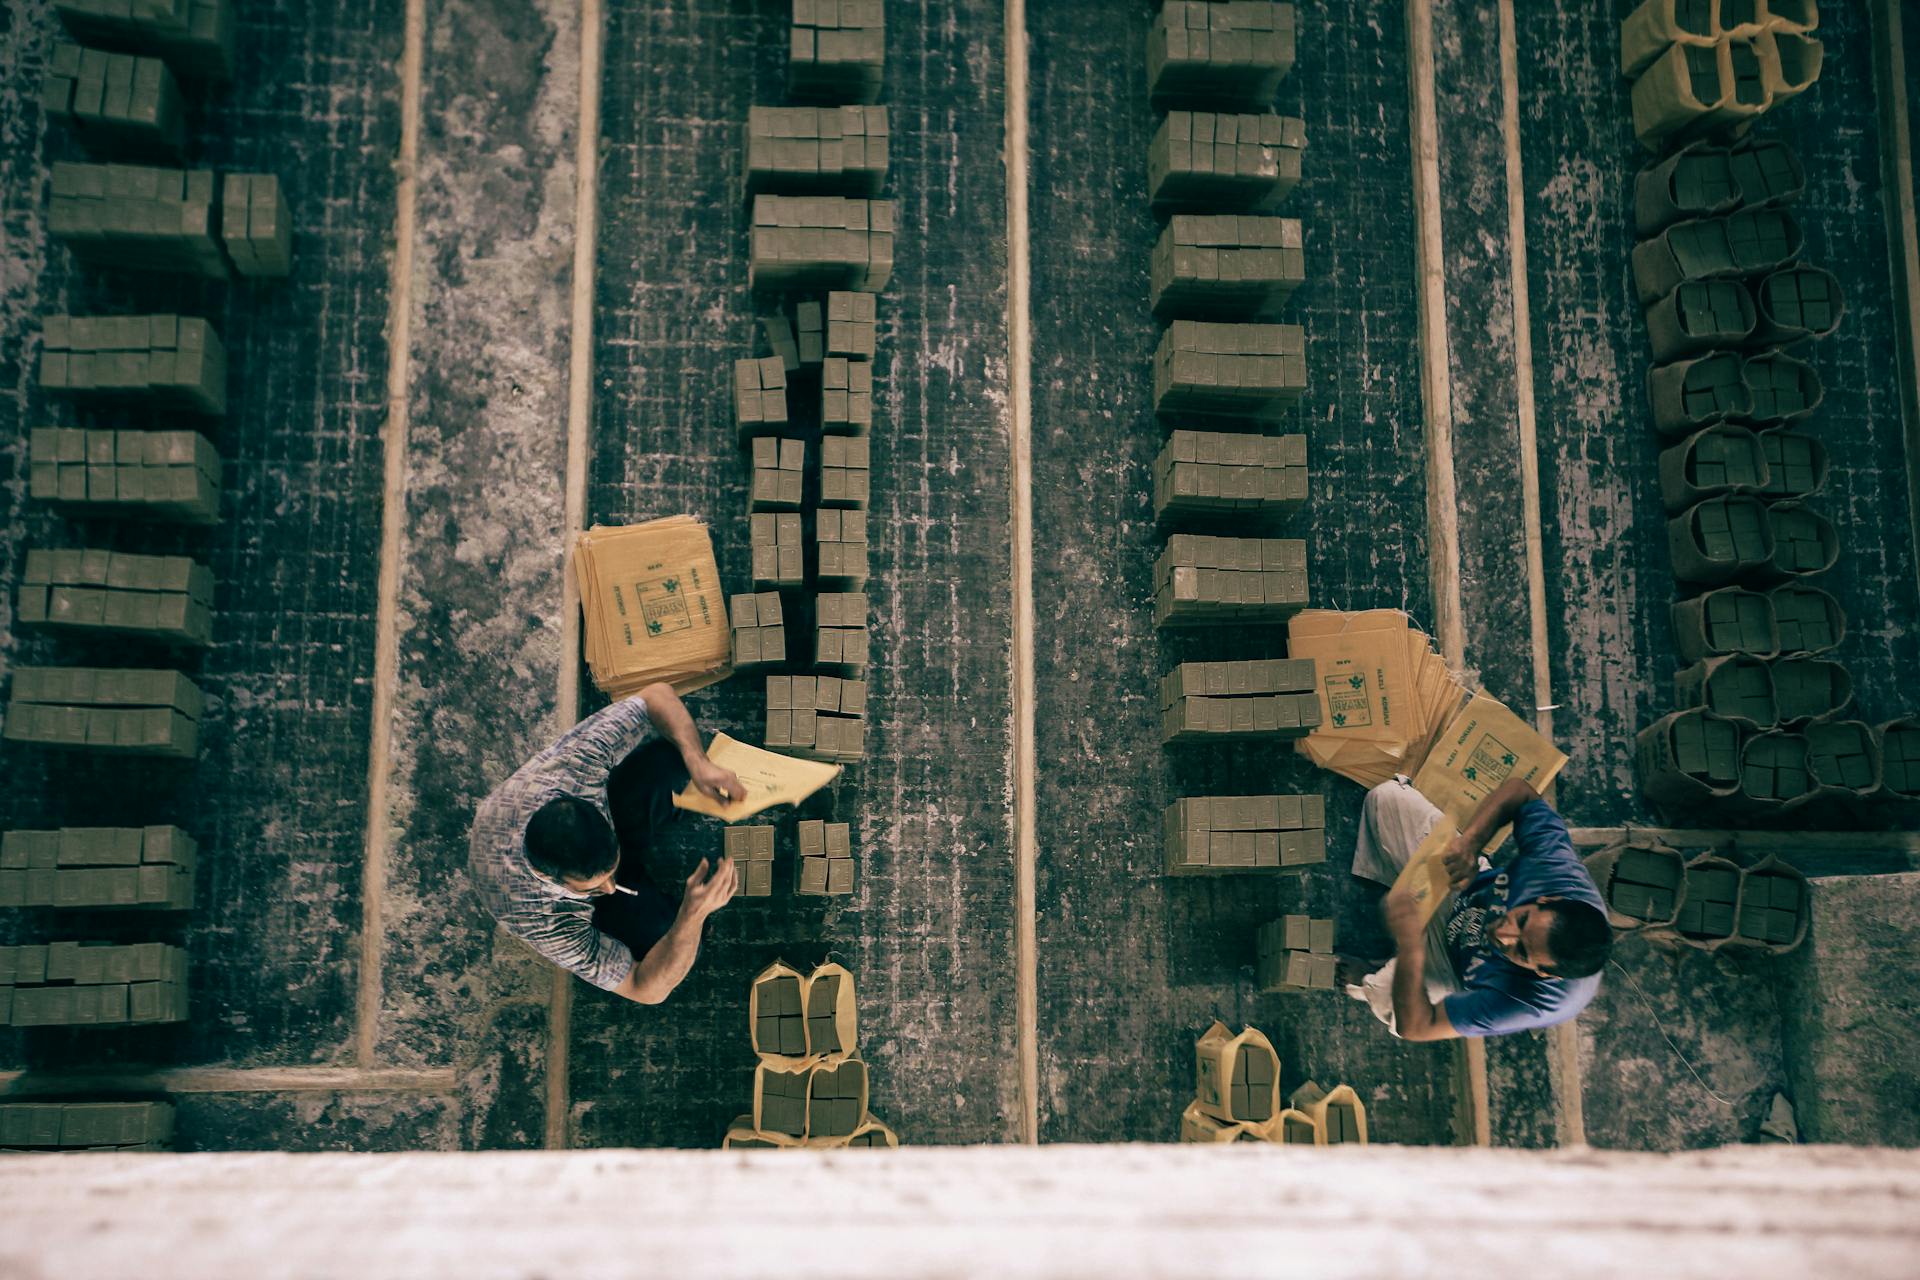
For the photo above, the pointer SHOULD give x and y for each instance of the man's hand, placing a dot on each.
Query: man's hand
(1461, 858)
(707, 892)
(657, 973)
(713, 781)
(1402, 916)
(671, 718)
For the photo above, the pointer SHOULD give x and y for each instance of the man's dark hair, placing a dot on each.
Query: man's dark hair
(1580, 939)
(569, 839)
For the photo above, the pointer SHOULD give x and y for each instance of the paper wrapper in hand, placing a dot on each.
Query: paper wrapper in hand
(767, 777)
(1425, 875)
(652, 606)
(1482, 747)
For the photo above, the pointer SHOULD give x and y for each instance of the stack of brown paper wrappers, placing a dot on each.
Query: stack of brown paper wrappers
(1388, 705)
(1385, 695)
(653, 607)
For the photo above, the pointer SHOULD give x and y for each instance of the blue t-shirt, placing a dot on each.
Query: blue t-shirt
(1500, 996)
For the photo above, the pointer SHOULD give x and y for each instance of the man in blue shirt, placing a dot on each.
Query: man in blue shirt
(1520, 946)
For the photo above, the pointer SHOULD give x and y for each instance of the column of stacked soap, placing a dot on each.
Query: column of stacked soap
(1214, 835)
(149, 867)
(1237, 1098)
(118, 93)
(825, 866)
(163, 598)
(85, 1126)
(808, 149)
(113, 101)
(1294, 953)
(1217, 473)
(83, 984)
(821, 242)
(1209, 701)
(821, 717)
(195, 38)
(810, 1086)
(172, 361)
(1211, 581)
(1704, 901)
(124, 712)
(751, 849)
(1221, 268)
(142, 475)
(813, 178)
(1759, 727)
(837, 50)
(137, 218)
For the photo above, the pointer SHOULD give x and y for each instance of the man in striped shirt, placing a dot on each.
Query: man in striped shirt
(558, 850)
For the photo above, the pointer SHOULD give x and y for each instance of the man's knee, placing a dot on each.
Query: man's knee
(1381, 796)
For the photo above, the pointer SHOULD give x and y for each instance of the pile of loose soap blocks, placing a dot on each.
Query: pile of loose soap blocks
(1732, 310)
(810, 1085)
(123, 88)
(1237, 1098)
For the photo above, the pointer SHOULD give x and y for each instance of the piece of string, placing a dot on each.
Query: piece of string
(1646, 1000)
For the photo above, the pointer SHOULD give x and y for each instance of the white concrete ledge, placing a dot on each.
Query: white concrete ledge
(1012, 1211)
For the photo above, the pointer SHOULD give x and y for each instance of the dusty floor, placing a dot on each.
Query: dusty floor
(1131, 965)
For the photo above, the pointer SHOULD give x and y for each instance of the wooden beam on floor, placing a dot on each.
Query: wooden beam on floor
(586, 222)
(1754, 841)
(1436, 393)
(27, 1084)
(1563, 1039)
(393, 522)
(1020, 402)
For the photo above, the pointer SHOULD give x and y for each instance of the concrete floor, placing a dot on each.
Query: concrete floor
(381, 1010)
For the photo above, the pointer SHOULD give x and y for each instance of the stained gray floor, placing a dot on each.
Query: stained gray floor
(1131, 965)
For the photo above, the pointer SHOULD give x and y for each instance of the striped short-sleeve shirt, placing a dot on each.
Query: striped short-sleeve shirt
(548, 916)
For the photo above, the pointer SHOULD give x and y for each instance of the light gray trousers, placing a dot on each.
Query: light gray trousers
(1393, 821)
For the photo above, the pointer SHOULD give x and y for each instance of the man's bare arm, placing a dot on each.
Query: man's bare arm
(1414, 1017)
(1500, 807)
(657, 973)
(675, 722)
